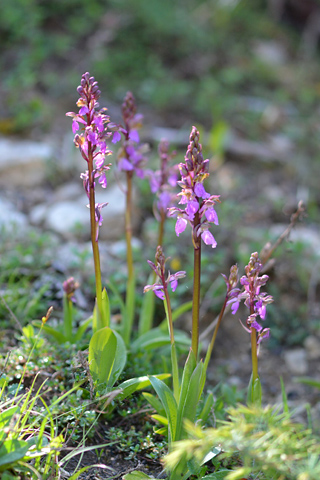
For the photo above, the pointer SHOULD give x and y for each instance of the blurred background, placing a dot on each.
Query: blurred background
(245, 72)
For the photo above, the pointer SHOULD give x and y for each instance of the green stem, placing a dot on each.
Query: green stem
(161, 227)
(213, 339)
(130, 294)
(174, 360)
(196, 289)
(254, 353)
(93, 229)
(67, 317)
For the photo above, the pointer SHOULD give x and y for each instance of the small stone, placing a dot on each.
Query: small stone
(37, 214)
(296, 361)
(312, 346)
(23, 163)
(11, 220)
(69, 191)
(271, 52)
(119, 248)
(68, 218)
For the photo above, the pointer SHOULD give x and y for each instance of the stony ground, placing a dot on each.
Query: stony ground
(40, 189)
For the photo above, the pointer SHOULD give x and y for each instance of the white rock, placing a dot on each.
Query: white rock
(119, 248)
(312, 346)
(69, 191)
(271, 52)
(23, 163)
(11, 220)
(71, 218)
(37, 214)
(68, 218)
(296, 361)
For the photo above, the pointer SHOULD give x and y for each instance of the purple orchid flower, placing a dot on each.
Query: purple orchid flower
(254, 300)
(90, 127)
(199, 209)
(131, 156)
(163, 181)
(158, 267)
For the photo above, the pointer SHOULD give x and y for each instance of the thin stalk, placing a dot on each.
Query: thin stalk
(254, 352)
(161, 227)
(67, 317)
(213, 339)
(146, 325)
(254, 355)
(93, 229)
(174, 360)
(196, 289)
(130, 300)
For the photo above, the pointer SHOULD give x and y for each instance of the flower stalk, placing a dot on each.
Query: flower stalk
(130, 161)
(91, 124)
(160, 289)
(199, 212)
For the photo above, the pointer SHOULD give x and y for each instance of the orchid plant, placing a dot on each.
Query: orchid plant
(92, 123)
(199, 212)
(131, 160)
(197, 208)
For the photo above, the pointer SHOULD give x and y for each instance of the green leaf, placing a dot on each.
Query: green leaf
(206, 409)
(308, 381)
(127, 320)
(5, 418)
(156, 338)
(102, 352)
(56, 334)
(162, 431)
(101, 319)
(137, 475)
(132, 385)
(284, 397)
(11, 451)
(169, 404)
(119, 361)
(81, 450)
(254, 396)
(107, 356)
(106, 315)
(220, 475)
(189, 367)
(67, 317)
(187, 410)
(161, 419)
(238, 474)
(154, 402)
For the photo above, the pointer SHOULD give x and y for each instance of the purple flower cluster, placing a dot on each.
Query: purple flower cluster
(199, 209)
(131, 155)
(159, 269)
(253, 299)
(91, 141)
(162, 181)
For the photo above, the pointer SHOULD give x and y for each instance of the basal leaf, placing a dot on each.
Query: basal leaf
(102, 352)
(169, 404)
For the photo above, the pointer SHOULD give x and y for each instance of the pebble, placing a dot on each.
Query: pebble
(23, 162)
(11, 220)
(312, 346)
(296, 361)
